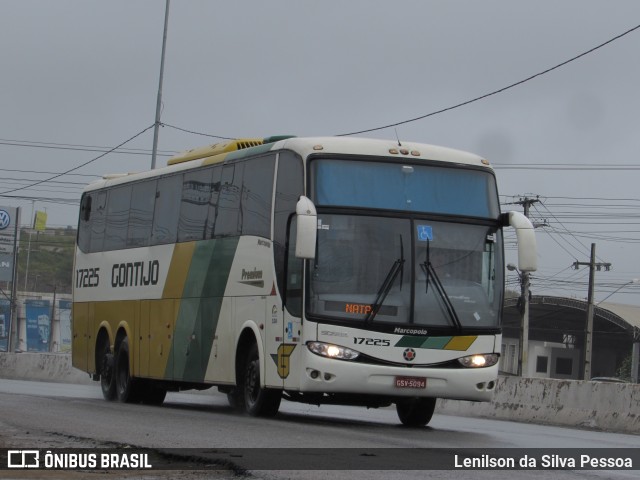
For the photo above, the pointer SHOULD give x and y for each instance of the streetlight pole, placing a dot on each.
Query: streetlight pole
(635, 349)
(630, 282)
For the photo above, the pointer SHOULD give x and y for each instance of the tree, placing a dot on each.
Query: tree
(50, 260)
(624, 371)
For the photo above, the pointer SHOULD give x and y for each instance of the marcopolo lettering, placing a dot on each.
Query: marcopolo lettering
(135, 274)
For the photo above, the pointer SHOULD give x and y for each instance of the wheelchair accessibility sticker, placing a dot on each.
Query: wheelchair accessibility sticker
(425, 233)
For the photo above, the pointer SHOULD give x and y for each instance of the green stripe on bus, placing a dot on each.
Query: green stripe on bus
(200, 308)
(432, 343)
(415, 342)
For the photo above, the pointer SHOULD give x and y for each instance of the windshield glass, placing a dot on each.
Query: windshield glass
(409, 271)
(423, 187)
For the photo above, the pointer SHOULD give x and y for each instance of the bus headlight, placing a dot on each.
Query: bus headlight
(332, 351)
(479, 361)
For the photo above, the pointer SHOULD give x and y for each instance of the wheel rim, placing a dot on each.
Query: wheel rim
(252, 385)
(106, 372)
(122, 375)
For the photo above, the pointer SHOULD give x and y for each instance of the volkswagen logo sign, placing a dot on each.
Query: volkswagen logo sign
(5, 219)
(409, 354)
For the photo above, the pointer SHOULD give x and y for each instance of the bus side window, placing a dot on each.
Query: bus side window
(293, 287)
(97, 223)
(194, 205)
(165, 217)
(143, 199)
(118, 207)
(229, 222)
(85, 207)
(213, 202)
(257, 192)
(84, 227)
(289, 188)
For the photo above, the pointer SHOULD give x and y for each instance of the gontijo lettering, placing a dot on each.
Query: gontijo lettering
(135, 274)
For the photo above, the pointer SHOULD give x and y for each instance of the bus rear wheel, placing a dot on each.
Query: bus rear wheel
(415, 412)
(107, 371)
(126, 385)
(258, 401)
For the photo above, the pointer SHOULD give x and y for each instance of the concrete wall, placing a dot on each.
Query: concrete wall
(44, 367)
(613, 407)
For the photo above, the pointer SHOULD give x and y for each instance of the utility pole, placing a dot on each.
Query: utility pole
(523, 358)
(159, 99)
(14, 338)
(588, 333)
(635, 356)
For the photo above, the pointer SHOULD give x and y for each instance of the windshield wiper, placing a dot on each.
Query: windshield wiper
(428, 269)
(385, 288)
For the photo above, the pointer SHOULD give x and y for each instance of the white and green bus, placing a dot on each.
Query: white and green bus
(320, 270)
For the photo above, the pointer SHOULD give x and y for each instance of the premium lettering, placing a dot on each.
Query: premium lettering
(251, 274)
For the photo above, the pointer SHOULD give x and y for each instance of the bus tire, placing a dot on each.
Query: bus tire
(258, 401)
(126, 385)
(150, 394)
(107, 371)
(415, 412)
(236, 398)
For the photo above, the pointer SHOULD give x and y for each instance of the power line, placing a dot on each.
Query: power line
(48, 173)
(61, 201)
(81, 148)
(562, 225)
(476, 99)
(81, 165)
(567, 167)
(196, 133)
(598, 198)
(495, 92)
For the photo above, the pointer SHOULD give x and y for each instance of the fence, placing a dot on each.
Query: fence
(43, 323)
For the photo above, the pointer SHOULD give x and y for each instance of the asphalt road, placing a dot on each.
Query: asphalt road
(51, 415)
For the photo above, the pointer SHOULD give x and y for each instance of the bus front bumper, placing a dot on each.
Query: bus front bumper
(327, 375)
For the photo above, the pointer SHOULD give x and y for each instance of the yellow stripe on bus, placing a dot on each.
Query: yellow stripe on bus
(178, 270)
(460, 344)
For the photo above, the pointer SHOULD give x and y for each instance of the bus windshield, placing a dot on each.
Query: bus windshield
(407, 268)
(406, 271)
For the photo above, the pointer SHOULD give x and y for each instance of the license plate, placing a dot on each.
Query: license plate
(411, 382)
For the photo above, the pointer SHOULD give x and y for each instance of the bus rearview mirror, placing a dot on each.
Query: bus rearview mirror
(527, 249)
(307, 228)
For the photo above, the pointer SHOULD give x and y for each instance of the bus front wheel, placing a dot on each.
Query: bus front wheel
(258, 401)
(415, 412)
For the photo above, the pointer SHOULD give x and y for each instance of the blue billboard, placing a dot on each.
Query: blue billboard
(5, 324)
(65, 325)
(38, 325)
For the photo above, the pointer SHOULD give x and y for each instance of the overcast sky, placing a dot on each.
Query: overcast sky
(79, 72)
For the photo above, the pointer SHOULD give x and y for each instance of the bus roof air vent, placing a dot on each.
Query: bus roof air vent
(215, 149)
